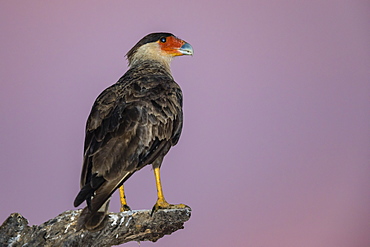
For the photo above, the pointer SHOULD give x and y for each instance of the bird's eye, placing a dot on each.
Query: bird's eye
(163, 40)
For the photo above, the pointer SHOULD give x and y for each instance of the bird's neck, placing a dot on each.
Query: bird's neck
(147, 54)
(152, 65)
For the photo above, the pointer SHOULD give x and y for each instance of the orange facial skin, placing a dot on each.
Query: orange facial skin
(172, 45)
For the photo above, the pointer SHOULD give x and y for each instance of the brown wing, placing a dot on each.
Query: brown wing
(131, 124)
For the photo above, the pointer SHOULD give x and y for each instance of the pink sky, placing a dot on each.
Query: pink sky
(276, 139)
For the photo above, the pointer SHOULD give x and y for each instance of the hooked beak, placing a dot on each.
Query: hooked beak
(186, 49)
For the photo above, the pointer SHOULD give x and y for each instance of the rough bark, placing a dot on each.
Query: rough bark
(137, 225)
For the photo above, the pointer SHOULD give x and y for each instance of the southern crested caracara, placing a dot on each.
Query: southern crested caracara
(132, 123)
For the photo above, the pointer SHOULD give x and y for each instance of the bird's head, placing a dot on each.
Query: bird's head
(161, 47)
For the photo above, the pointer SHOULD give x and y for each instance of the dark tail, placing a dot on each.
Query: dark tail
(87, 191)
(97, 194)
(93, 221)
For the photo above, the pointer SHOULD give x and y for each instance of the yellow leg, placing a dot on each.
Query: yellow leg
(122, 197)
(161, 202)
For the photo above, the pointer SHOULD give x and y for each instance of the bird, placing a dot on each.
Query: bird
(132, 124)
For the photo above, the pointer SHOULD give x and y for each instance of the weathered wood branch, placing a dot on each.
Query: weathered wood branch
(122, 227)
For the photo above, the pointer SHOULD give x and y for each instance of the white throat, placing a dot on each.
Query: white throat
(151, 51)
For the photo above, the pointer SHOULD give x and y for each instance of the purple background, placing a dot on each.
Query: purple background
(276, 139)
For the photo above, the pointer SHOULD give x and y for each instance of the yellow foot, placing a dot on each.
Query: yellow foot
(166, 205)
(124, 207)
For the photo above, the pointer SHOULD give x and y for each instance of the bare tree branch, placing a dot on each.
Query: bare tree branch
(120, 228)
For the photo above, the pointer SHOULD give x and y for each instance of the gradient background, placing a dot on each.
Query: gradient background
(276, 139)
